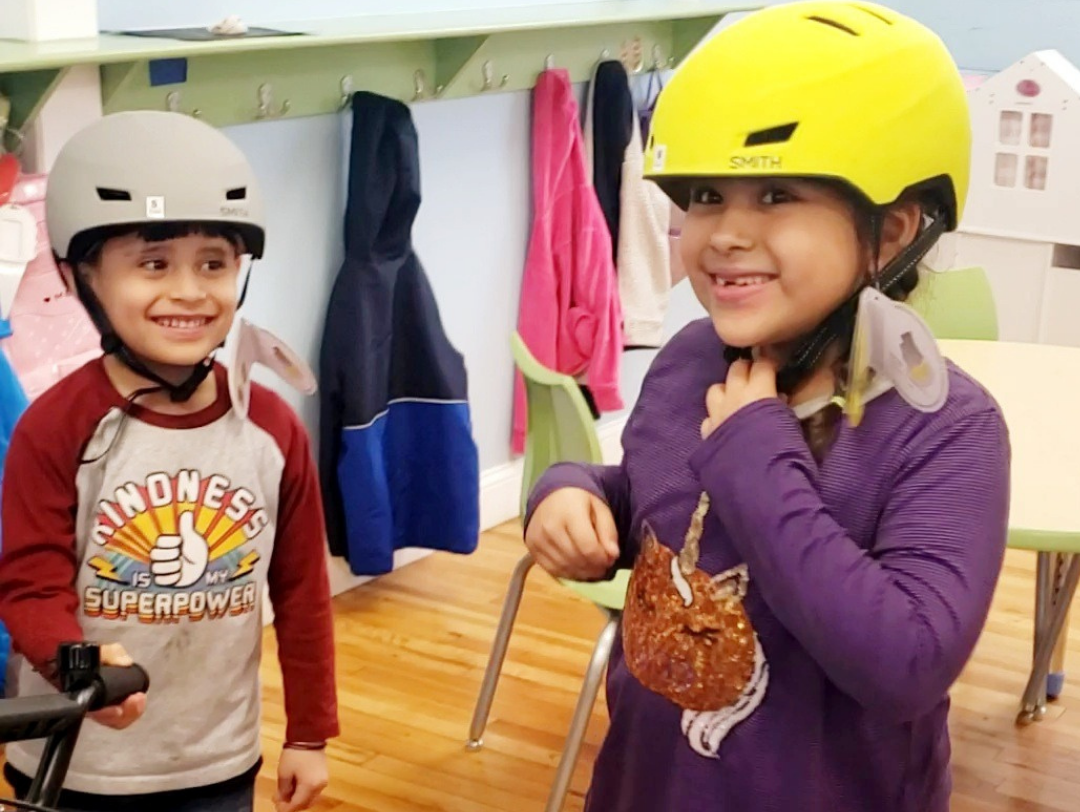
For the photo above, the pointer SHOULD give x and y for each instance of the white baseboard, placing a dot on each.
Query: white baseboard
(342, 579)
(500, 486)
(500, 495)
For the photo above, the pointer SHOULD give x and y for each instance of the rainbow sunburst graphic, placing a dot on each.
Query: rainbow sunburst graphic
(129, 526)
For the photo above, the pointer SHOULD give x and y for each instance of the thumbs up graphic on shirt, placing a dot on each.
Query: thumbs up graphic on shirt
(180, 561)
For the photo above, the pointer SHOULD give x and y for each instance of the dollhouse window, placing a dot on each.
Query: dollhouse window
(1006, 169)
(1067, 256)
(1041, 125)
(1035, 172)
(1010, 127)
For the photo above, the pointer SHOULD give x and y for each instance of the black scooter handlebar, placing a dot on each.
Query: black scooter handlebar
(85, 685)
(115, 683)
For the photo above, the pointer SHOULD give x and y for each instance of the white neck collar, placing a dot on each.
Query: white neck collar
(879, 386)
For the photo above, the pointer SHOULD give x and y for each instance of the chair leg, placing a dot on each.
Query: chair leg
(1034, 707)
(498, 652)
(580, 720)
(1055, 681)
(1056, 611)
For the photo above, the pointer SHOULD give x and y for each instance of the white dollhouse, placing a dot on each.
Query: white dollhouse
(1022, 222)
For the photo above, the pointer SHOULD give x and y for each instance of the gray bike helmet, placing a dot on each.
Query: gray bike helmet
(144, 168)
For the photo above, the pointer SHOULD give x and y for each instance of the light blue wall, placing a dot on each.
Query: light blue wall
(471, 234)
(472, 230)
(474, 222)
(988, 35)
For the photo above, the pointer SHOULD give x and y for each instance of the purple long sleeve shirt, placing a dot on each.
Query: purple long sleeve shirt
(869, 581)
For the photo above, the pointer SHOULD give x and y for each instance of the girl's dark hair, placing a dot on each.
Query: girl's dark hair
(820, 428)
(86, 247)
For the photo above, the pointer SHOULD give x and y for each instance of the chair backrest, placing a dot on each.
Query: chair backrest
(560, 426)
(957, 304)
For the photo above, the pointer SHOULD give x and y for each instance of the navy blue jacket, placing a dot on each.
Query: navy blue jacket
(398, 462)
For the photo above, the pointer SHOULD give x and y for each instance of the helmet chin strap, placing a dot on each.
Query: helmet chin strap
(840, 324)
(178, 392)
(112, 345)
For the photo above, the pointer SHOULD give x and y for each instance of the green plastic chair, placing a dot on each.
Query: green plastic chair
(957, 304)
(560, 429)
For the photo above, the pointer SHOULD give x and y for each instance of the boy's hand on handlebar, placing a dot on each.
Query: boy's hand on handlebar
(123, 715)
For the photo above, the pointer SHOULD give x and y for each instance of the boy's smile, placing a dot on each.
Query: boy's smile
(181, 327)
(171, 302)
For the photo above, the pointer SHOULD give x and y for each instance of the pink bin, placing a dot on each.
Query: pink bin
(51, 332)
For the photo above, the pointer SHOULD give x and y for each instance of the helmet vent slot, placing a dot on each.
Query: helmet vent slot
(874, 13)
(113, 194)
(773, 135)
(834, 24)
(239, 193)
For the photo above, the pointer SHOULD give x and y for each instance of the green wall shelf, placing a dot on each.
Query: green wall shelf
(412, 57)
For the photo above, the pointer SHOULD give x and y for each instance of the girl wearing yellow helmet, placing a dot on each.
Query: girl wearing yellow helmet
(804, 592)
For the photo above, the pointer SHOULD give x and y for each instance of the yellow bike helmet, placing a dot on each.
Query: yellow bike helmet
(849, 91)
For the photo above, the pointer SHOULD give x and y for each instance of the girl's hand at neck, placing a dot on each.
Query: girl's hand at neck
(750, 381)
(747, 382)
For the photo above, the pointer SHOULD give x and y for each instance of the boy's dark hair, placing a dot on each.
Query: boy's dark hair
(86, 247)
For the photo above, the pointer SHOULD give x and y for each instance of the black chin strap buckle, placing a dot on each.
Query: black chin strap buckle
(178, 393)
(184, 391)
(733, 354)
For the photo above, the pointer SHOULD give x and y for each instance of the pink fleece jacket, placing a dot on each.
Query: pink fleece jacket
(569, 315)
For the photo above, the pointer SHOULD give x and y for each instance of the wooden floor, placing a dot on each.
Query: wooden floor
(412, 647)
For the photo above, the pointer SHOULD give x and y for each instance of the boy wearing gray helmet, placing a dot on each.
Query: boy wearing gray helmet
(144, 509)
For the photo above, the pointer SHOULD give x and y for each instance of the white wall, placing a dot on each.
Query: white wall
(1017, 270)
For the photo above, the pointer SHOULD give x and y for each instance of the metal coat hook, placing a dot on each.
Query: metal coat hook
(12, 135)
(265, 99)
(549, 62)
(488, 72)
(658, 61)
(346, 92)
(172, 104)
(420, 87)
